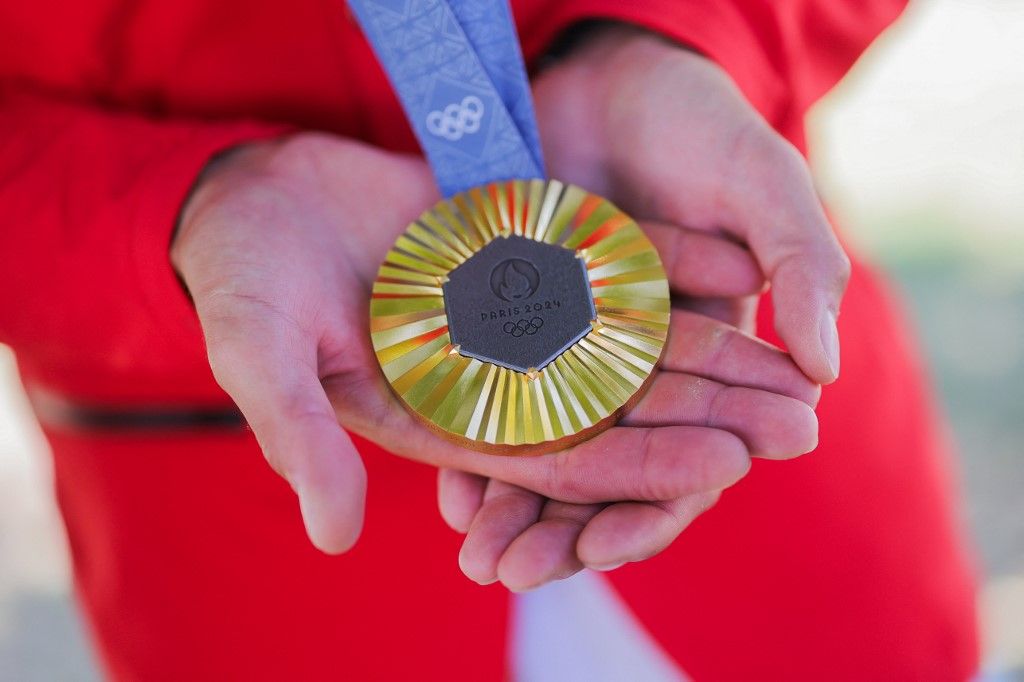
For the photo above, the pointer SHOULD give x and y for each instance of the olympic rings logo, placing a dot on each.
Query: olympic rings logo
(520, 327)
(458, 119)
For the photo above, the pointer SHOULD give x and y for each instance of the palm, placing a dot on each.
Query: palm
(664, 134)
(279, 248)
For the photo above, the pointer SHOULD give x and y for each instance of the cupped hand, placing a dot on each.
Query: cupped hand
(665, 134)
(713, 375)
(279, 246)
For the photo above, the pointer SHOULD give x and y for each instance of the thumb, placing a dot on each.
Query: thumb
(785, 226)
(269, 367)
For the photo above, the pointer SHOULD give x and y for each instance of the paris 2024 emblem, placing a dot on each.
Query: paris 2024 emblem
(514, 279)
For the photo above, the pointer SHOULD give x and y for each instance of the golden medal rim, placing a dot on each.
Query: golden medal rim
(490, 408)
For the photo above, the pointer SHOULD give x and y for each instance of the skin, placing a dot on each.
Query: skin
(280, 243)
(665, 134)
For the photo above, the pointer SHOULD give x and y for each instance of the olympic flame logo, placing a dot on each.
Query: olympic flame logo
(514, 279)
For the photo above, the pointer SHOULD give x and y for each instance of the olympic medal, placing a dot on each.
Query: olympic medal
(520, 317)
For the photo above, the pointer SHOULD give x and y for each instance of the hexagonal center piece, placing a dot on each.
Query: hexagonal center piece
(518, 303)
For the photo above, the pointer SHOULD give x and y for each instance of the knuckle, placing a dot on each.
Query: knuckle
(515, 506)
(813, 265)
(654, 480)
(566, 512)
(560, 480)
(297, 154)
(842, 268)
(299, 405)
(360, 402)
(716, 402)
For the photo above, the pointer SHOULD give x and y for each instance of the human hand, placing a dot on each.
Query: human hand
(279, 246)
(666, 135)
(716, 376)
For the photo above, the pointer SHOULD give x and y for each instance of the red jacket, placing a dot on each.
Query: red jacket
(109, 109)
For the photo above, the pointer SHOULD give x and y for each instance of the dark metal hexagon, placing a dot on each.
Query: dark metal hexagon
(518, 303)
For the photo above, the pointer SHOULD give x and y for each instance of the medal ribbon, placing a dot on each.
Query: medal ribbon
(458, 70)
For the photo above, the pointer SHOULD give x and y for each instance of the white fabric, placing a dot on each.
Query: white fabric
(580, 630)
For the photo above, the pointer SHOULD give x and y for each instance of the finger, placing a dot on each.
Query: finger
(699, 263)
(708, 348)
(783, 221)
(739, 312)
(772, 426)
(506, 512)
(459, 497)
(621, 463)
(634, 531)
(269, 368)
(546, 550)
(635, 464)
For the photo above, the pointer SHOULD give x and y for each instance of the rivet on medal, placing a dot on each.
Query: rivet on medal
(520, 317)
(515, 316)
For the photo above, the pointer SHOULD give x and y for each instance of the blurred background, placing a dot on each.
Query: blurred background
(920, 155)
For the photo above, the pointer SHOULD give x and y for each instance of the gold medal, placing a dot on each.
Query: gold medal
(520, 317)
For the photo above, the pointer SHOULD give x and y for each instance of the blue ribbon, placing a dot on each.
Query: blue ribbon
(458, 70)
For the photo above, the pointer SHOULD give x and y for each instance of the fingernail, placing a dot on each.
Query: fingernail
(604, 568)
(830, 342)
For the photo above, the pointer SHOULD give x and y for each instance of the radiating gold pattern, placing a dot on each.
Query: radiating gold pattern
(492, 408)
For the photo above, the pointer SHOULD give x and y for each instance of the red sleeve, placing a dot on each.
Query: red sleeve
(783, 54)
(88, 202)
